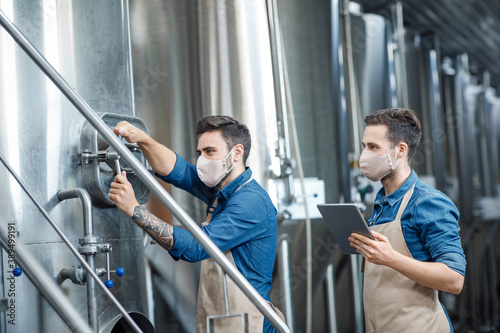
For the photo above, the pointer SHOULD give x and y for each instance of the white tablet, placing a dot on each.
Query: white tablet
(342, 220)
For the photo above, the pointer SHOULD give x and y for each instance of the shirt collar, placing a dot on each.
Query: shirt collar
(233, 186)
(399, 193)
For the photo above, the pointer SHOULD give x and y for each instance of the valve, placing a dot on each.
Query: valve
(120, 271)
(109, 156)
(108, 283)
(17, 271)
(75, 274)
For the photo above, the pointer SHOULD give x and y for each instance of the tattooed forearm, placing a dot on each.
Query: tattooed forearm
(160, 231)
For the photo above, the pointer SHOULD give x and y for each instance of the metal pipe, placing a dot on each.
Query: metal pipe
(357, 294)
(145, 176)
(398, 24)
(279, 70)
(84, 197)
(293, 136)
(224, 289)
(493, 278)
(391, 74)
(490, 276)
(350, 78)
(68, 242)
(92, 295)
(88, 224)
(286, 286)
(338, 72)
(330, 298)
(435, 116)
(45, 285)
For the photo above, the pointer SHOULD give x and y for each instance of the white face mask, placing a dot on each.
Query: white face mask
(212, 172)
(376, 167)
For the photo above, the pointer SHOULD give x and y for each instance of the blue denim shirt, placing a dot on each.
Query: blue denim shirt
(429, 223)
(244, 222)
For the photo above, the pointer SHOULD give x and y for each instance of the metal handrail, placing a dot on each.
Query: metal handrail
(145, 176)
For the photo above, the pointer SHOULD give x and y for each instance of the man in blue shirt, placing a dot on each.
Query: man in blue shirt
(241, 219)
(416, 248)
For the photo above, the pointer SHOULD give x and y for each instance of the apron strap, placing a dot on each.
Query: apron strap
(404, 203)
(214, 204)
(401, 210)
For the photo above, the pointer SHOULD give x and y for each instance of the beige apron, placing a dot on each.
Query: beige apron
(393, 302)
(211, 298)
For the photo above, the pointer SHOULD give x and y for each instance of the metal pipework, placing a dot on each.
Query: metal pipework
(330, 294)
(145, 176)
(88, 224)
(286, 285)
(399, 33)
(350, 77)
(283, 150)
(340, 98)
(84, 197)
(68, 242)
(46, 285)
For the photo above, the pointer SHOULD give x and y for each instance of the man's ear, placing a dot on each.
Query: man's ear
(238, 152)
(402, 150)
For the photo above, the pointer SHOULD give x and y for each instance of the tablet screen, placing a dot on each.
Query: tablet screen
(342, 220)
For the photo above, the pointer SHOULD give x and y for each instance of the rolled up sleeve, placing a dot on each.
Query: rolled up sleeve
(185, 177)
(240, 221)
(437, 219)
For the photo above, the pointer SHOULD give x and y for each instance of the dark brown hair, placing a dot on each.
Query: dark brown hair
(232, 131)
(403, 126)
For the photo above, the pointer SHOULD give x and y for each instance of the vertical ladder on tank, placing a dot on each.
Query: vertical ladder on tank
(148, 180)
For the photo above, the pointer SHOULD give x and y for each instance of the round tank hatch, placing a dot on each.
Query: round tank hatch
(121, 326)
(98, 160)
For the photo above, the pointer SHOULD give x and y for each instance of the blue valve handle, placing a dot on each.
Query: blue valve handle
(17, 271)
(120, 271)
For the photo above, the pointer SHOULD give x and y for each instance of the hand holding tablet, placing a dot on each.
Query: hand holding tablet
(342, 220)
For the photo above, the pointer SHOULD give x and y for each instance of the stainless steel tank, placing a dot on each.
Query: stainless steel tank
(215, 57)
(41, 137)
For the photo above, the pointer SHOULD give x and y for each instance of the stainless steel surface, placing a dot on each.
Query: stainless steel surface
(372, 49)
(339, 96)
(88, 227)
(282, 91)
(88, 223)
(152, 184)
(67, 241)
(463, 26)
(92, 295)
(218, 59)
(193, 58)
(286, 288)
(45, 285)
(351, 92)
(40, 133)
(206, 49)
(435, 119)
(400, 54)
(332, 308)
(357, 293)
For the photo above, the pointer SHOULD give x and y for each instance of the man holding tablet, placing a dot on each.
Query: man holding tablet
(417, 249)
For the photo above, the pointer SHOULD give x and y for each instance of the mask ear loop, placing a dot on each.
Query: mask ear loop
(225, 163)
(397, 159)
